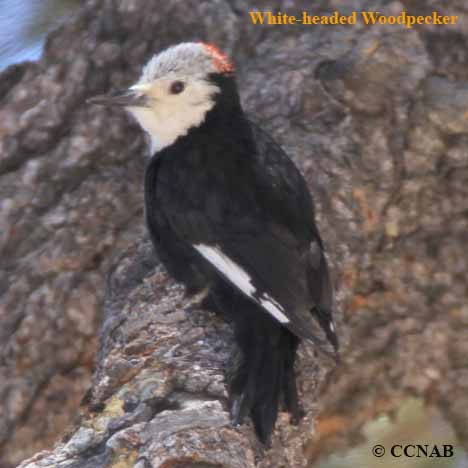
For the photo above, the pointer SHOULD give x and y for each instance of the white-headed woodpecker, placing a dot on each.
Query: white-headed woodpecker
(228, 210)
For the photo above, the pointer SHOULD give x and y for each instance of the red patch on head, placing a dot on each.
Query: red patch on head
(220, 60)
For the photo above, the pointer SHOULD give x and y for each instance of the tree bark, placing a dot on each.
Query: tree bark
(375, 117)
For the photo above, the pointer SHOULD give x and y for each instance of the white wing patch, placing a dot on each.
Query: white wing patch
(273, 307)
(240, 278)
(228, 268)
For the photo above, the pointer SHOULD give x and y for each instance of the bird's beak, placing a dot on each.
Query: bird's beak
(132, 97)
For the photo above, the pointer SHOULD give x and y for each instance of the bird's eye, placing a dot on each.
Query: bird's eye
(177, 87)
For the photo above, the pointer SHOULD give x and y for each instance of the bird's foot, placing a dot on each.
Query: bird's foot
(197, 298)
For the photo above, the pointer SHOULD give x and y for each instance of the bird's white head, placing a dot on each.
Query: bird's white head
(174, 92)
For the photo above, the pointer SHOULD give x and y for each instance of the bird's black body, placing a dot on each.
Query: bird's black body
(226, 185)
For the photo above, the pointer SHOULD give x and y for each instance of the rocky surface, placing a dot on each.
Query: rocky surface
(375, 116)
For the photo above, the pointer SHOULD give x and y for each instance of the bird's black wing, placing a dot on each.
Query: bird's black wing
(255, 226)
(298, 213)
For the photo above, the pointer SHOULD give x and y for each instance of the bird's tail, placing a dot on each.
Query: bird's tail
(265, 378)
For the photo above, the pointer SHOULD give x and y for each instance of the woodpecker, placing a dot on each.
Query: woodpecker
(228, 211)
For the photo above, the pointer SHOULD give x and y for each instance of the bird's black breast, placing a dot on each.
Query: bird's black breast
(170, 199)
(195, 189)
